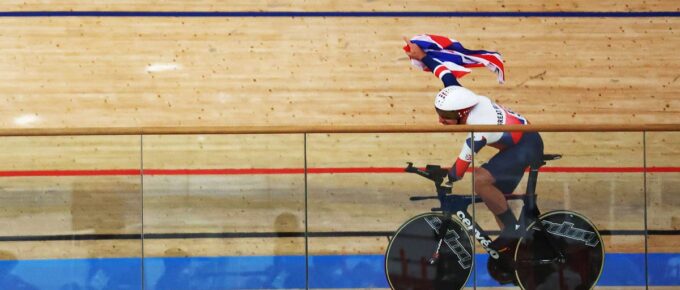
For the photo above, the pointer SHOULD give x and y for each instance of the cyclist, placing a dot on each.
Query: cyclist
(517, 150)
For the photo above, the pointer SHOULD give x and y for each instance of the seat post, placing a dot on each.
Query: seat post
(533, 177)
(530, 208)
(530, 198)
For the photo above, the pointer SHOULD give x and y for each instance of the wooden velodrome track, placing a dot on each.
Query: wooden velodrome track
(66, 72)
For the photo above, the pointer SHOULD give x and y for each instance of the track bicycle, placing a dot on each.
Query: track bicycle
(559, 249)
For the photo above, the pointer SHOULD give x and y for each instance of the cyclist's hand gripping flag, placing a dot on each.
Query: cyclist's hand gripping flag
(455, 57)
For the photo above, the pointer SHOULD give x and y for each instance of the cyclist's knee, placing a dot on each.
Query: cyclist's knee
(483, 177)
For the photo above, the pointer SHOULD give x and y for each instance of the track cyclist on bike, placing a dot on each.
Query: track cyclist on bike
(457, 105)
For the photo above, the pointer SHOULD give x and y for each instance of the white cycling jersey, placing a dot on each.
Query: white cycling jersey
(487, 112)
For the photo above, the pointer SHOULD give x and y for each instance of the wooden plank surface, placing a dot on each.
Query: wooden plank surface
(184, 72)
(199, 72)
(70, 153)
(337, 5)
(331, 129)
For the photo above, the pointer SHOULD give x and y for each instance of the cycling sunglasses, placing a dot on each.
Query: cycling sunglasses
(451, 115)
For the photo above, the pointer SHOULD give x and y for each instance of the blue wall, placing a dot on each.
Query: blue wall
(258, 272)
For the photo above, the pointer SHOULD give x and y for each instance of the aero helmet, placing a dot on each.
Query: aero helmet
(454, 98)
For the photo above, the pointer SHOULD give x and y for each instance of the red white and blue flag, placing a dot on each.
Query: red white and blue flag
(455, 57)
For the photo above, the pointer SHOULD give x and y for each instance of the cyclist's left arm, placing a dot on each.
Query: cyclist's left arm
(465, 157)
(437, 67)
(457, 46)
(440, 71)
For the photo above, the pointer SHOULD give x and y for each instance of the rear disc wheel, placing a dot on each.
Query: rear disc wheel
(579, 241)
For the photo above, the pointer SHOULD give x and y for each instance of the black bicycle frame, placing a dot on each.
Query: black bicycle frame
(456, 205)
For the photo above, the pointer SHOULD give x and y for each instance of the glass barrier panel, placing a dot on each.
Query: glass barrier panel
(601, 177)
(359, 196)
(588, 221)
(663, 209)
(487, 226)
(70, 213)
(224, 212)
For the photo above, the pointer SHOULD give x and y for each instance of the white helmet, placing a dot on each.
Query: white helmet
(454, 98)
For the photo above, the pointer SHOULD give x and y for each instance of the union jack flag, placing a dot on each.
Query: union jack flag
(455, 57)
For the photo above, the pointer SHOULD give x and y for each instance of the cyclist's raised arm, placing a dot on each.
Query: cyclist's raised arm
(440, 70)
(459, 48)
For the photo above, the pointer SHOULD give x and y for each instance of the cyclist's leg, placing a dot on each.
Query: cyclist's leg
(503, 173)
(493, 197)
(499, 176)
(502, 269)
(504, 177)
(507, 169)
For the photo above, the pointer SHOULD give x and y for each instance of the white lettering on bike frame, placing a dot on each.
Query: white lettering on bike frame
(451, 241)
(478, 236)
(567, 230)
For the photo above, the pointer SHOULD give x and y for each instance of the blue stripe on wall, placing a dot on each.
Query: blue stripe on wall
(274, 272)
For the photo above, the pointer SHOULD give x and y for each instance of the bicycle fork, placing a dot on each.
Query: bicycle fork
(435, 256)
(450, 238)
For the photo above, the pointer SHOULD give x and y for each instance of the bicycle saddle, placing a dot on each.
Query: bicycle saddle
(548, 157)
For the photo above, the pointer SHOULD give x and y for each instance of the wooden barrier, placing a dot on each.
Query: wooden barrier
(339, 5)
(26, 132)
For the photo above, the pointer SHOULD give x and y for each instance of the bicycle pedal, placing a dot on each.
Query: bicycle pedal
(504, 249)
(503, 274)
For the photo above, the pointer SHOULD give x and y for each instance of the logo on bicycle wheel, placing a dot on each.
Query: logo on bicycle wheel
(567, 230)
(451, 241)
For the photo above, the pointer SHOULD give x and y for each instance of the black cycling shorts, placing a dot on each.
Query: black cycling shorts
(508, 165)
